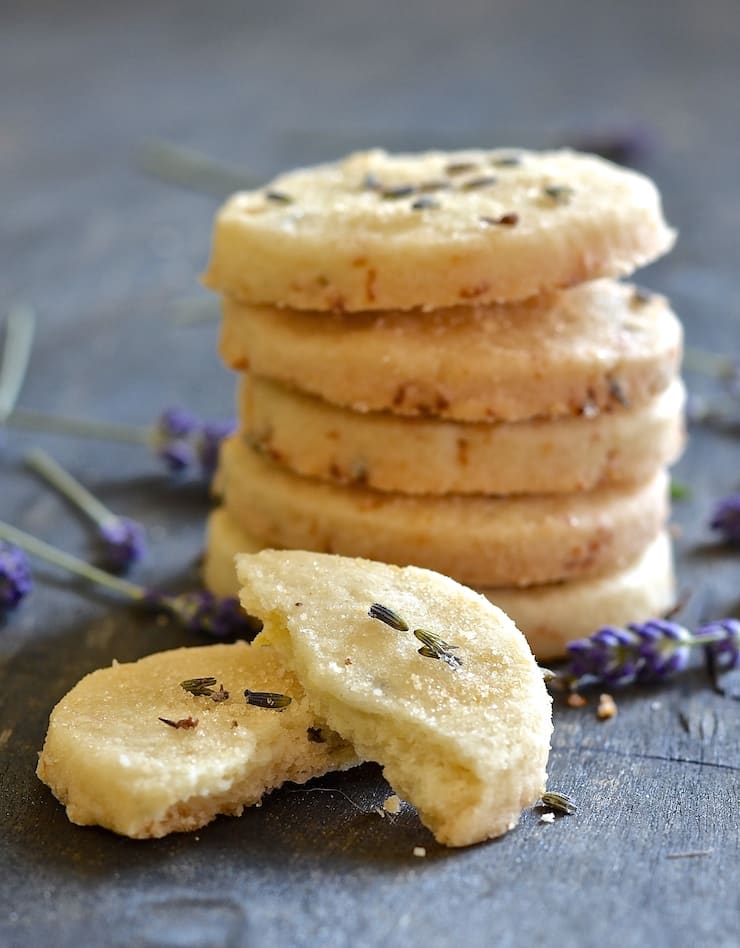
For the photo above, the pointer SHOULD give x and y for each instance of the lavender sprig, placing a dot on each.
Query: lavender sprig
(15, 577)
(123, 540)
(726, 518)
(199, 612)
(16, 355)
(650, 651)
(178, 438)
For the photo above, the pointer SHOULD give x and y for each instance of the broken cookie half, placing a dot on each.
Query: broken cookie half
(168, 743)
(420, 674)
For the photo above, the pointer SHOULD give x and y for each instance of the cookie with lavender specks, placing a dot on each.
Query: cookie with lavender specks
(420, 674)
(382, 231)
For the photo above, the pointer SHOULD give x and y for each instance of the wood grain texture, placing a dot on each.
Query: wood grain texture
(105, 253)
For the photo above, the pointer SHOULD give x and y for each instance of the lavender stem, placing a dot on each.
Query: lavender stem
(72, 564)
(45, 465)
(39, 421)
(16, 355)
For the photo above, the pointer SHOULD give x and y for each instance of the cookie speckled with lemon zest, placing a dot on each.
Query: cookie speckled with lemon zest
(383, 231)
(454, 707)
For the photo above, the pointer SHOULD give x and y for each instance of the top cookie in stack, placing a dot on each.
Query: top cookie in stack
(442, 371)
(379, 231)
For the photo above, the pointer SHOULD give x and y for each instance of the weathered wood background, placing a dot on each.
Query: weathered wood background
(106, 254)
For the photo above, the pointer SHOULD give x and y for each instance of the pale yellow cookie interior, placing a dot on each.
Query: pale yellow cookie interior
(491, 226)
(391, 452)
(110, 760)
(466, 745)
(601, 346)
(479, 540)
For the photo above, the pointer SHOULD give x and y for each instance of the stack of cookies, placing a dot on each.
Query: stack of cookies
(440, 369)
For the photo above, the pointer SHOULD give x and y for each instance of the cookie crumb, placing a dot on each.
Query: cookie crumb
(607, 707)
(392, 804)
(574, 700)
(547, 818)
(420, 851)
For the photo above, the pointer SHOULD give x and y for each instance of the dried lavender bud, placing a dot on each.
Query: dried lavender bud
(124, 543)
(435, 647)
(200, 687)
(558, 193)
(391, 618)
(397, 191)
(726, 518)
(279, 197)
(15, 577)
(560, 802)
(267, 699)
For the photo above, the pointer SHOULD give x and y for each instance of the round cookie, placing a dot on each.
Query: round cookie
(599, 347)
(553, 615)
(380, 231)
(481, 541)
(549, 615)
(458, 717)
(432, 456)
(112, 761)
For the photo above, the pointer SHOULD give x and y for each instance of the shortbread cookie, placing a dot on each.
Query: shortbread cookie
(112, 760)
(458, 715)
(599, 347)
(552, 615)
(380, 231)
(549, 615)
(481, 541)
(431, 456)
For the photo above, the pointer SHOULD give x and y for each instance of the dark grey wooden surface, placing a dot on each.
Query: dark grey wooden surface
(105, 253)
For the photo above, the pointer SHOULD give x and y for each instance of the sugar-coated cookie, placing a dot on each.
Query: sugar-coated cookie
(602, 346)
(554, 614)
(443, 691)
(434, 456)
(481, 541)
(112, 760)
(380, 231)
(549, 615)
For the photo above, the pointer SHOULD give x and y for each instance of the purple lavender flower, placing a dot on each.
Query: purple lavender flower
(664, 648)
(209, 443)
(199, 612)
(177, 423)
(181, 439)
(206, 614)
(173, 433)
(610, 655)
(124, 543)
(15, 577)
(650, 651)
(726, 649)
(726, 518)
